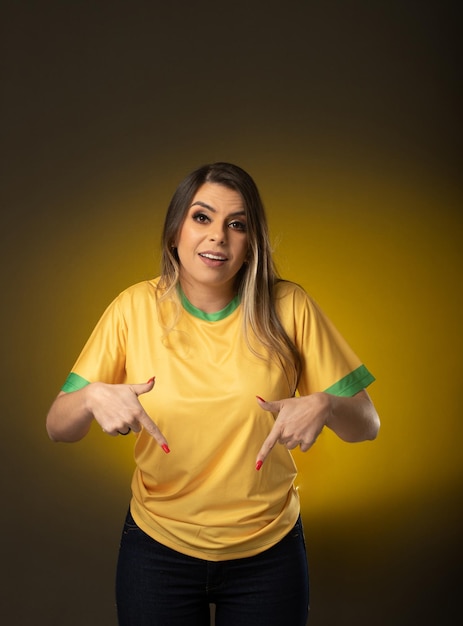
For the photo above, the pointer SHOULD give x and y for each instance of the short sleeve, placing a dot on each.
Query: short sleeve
(329, 364)
(103, 356)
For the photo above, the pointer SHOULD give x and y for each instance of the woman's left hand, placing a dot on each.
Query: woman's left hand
(300, 420)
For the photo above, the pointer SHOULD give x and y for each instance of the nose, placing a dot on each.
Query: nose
(217, 233)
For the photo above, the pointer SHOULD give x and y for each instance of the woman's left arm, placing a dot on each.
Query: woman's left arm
(353, 419)
(299, 421)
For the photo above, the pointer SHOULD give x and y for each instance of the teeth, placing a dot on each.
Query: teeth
(213, 257)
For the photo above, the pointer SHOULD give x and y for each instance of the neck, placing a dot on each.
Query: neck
(207, 299)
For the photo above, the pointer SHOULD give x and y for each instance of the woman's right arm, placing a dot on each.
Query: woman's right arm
(116, 408)
(70, 416)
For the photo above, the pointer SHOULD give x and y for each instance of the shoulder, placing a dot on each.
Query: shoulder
(295, 307)
(137, 297)
(143, 290)
(286, 292)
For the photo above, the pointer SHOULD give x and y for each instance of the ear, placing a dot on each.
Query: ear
(174, 253)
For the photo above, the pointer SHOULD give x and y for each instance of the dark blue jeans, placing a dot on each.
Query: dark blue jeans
(157, 586)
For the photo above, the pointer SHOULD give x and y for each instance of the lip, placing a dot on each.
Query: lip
(212, 259)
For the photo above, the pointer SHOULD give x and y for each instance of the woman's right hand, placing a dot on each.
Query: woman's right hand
(116, 408)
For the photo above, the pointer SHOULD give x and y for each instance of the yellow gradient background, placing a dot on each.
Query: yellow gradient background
(348, 118)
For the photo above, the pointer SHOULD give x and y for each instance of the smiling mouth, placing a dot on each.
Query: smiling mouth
(212, 257)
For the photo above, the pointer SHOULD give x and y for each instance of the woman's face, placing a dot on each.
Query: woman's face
(212, 243)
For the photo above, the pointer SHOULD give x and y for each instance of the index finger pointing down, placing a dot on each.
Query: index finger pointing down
(267, 446)
(154, 431)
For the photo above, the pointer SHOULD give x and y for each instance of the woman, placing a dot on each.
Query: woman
(214, 514)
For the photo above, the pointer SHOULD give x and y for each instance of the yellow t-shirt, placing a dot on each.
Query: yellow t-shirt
(205, 498)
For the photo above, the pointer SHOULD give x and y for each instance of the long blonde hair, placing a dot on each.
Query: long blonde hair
(256, 279)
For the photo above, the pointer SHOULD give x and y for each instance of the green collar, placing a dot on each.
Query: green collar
(208, 317)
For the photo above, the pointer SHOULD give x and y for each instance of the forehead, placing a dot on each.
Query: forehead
(219, 198)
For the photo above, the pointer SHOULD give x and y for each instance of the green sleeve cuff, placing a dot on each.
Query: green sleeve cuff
(74, 382)
(352, 383)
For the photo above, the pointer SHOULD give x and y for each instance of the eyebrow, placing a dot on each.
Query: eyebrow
(210, 208)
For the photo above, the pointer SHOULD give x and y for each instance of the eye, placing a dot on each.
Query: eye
(238, 225)
(200, 217)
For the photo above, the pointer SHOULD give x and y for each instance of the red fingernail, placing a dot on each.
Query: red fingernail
(165, 447)
(151, 380)
(259, 398)
(259, 465)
